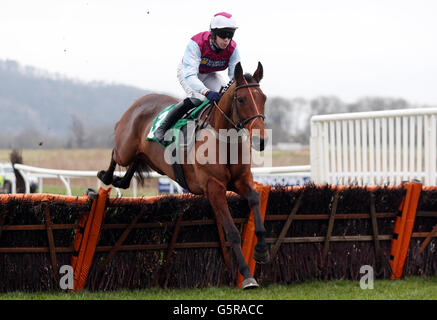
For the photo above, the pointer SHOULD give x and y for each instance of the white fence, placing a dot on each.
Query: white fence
(374, 148)
(65, 176)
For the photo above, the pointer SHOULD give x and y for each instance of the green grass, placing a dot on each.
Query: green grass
(411, 288)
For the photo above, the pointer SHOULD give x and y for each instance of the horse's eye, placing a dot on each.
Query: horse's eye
(240, 100)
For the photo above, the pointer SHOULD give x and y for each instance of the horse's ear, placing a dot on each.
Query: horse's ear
(259, 73)
(238, 73)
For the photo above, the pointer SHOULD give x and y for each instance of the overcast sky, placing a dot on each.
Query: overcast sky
(309, 47)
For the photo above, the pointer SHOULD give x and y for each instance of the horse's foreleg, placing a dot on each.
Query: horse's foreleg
(107, 176)
(261, 254)
(216, 194)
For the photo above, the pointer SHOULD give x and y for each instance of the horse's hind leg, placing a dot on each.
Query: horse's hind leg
(124, 182)
(107, 176)
(216, 194)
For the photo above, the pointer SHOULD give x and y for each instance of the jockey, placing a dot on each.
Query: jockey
(206, 53)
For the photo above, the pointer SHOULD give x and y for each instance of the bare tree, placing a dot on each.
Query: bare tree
(77, 131)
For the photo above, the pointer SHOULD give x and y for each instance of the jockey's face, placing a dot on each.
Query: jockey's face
(222, 43)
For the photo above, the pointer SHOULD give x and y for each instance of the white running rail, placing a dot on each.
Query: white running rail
(374, 148)
(65, 175)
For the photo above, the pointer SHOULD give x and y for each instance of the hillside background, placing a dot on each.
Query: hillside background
(44, 110)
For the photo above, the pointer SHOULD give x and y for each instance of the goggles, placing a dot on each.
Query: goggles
(225, 33)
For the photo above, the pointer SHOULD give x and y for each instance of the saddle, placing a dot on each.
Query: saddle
(180, 130)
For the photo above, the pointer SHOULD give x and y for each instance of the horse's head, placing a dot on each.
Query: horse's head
(248, 105)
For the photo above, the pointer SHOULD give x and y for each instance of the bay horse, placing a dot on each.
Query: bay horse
(241, 108)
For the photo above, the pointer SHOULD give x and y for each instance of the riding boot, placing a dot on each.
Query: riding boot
(174, 115)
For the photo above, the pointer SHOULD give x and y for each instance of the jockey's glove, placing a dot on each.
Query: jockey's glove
(213, 96)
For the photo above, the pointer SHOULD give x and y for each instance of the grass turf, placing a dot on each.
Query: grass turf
(411, 288)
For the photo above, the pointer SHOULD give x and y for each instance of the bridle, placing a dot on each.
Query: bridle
(241, 123)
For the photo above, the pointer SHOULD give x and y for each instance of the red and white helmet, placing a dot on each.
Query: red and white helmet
(223, 20)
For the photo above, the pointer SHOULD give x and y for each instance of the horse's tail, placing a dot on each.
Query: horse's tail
(141, 168)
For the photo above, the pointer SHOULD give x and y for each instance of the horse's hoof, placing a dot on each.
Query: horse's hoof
(101, 175)
(120, 183)
(261, 257)
(249, 283)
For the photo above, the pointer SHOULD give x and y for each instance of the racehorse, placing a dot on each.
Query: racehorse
(240, 108)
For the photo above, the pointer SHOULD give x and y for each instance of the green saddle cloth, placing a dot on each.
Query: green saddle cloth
(193, 115)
